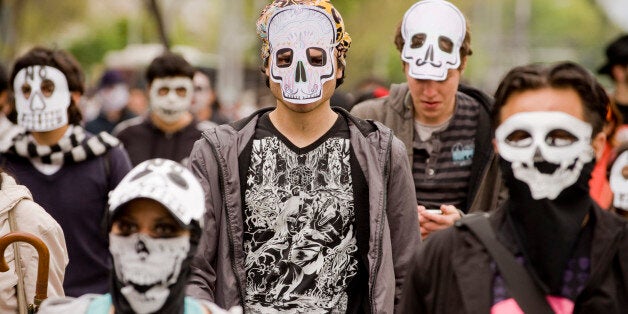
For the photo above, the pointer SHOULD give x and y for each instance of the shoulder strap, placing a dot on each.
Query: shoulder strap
(21, 289)
(523, 289)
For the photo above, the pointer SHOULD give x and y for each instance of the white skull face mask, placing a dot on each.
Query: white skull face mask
(302, 52)
(171, 97)
(42, 98)
(146, 267)
(433, 31)
(558, 140)
(619, 181)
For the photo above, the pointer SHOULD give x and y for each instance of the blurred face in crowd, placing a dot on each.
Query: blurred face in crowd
(433, 101)
(203, 94)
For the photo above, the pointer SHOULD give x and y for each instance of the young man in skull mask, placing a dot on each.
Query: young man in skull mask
(69, 171)
(154, 222)
(309, 208)
(549, 123)
(169, 130)
(444, 125)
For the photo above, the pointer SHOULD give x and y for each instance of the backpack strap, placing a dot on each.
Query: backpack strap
(528, 295)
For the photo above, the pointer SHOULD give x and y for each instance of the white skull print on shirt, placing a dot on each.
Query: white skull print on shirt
(433, 31)
(302, 43)
(42, 98)
(299, 238)
(561, 143)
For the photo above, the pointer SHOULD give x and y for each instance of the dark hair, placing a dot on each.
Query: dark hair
(64, 62)
(168, 64)
(465, 48)
(564, 75)
(4, 80)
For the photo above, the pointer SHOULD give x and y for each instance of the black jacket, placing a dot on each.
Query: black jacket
(451, 272)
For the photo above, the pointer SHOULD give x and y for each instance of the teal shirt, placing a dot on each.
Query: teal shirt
(102, 305)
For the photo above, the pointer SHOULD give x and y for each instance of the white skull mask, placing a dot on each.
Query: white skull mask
(433, 31)
(171, 97)
(42, 98)
(619, 181)
(558, 140)
(302, 43)
(167, 182)
(146, 267)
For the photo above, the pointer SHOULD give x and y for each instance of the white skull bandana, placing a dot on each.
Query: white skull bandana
(433, 31)
(556, 138)
(619, 181)
(42, 98)
(171, 97)
(302, 52)
(146, 267)
(167, 182)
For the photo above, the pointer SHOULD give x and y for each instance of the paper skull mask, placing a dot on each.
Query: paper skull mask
(302, 43)
(619, 181)
(433, 31)
(42, 98)
(547, 150)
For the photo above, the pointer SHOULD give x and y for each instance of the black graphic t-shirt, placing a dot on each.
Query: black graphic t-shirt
(302, 252)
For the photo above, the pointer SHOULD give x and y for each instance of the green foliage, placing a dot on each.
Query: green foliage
(91, 48)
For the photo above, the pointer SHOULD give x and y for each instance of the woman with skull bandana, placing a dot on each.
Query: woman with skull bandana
(549, 123)
(154, 222)
(68, 170)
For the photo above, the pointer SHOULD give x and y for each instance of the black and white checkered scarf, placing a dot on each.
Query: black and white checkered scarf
(70, 149)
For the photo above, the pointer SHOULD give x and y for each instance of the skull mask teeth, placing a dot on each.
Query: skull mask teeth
(302, 52)
(547, 150)
(433, 32)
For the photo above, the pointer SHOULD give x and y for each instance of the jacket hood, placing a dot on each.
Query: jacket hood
(11, 193)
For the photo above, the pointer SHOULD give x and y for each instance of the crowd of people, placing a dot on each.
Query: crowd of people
(428, 196)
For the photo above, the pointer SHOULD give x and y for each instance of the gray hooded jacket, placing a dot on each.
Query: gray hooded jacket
(218, 272)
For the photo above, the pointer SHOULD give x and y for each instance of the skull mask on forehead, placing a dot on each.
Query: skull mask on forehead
(148, 269)
(433, 31)
(302, 42)
(42, 98)
(547, 150)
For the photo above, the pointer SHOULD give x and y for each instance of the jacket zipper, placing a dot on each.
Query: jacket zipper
(229, 223)
(381, 225)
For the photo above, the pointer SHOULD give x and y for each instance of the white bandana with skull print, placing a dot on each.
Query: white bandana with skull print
(558, 140)
(433, 31)
(302, 43)
(171, 97)
(42, 98)
(619, 181)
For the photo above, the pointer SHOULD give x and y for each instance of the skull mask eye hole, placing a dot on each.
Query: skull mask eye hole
(316, 57)
(284, 57)
(560, 138)
(624, 172)
(181, 91)
(418, 40)
(47, 87)
(445, 44)
(178, 180)
(519, 138)
(26, 90)
(163, 91)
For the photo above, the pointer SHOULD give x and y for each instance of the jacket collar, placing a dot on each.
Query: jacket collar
(11, 193)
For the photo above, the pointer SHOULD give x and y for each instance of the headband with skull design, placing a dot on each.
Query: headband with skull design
(433, 32)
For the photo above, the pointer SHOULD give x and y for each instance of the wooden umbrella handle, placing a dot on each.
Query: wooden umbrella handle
(41, 289)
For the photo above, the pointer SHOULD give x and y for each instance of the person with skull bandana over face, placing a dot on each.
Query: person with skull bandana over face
(310, 210)
(154, 222)
(549, 122)
(68, 170)
(169, 130)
